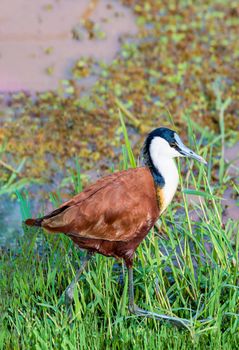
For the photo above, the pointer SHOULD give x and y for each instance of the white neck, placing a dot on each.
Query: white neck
(167, 168)
(162, 158)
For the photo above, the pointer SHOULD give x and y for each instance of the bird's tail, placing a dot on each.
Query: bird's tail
(38, 221)
(34, 222)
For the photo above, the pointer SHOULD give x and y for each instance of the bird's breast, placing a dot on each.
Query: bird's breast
(166, 193)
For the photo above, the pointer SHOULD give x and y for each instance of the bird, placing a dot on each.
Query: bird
(113, 215)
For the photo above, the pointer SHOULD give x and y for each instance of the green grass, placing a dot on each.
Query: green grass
(178, 276)
(11, 179)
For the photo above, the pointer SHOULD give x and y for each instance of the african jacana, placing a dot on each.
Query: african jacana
(113, 215)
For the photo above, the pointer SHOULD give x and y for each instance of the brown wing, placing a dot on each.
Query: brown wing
(114, 208)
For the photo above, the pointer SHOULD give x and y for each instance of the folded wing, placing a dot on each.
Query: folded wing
(114, 208)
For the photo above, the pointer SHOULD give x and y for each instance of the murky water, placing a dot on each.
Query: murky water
(40, 40)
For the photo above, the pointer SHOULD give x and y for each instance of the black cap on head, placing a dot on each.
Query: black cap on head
(164, 133)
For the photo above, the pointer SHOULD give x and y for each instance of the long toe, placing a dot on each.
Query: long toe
(179, 322)
(204, 320)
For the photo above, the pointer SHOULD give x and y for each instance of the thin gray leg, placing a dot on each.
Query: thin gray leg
(69, 292)
(134, 309)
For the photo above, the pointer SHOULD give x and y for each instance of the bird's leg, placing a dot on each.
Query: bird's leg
(134, 309)
(69, 292)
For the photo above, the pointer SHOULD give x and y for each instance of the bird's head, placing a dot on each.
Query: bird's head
(165, 143)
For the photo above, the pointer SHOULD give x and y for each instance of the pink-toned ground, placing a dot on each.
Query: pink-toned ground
(37, 48)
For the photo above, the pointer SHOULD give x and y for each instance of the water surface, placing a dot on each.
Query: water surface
(38, 44)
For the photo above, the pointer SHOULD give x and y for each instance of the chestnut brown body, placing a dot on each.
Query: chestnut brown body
(110, 217)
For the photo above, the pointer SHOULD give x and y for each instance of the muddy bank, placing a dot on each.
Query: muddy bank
(41, 41)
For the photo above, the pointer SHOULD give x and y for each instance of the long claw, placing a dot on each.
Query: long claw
(179, 322)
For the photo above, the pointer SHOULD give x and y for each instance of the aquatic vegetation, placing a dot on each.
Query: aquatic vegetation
(11, 179)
